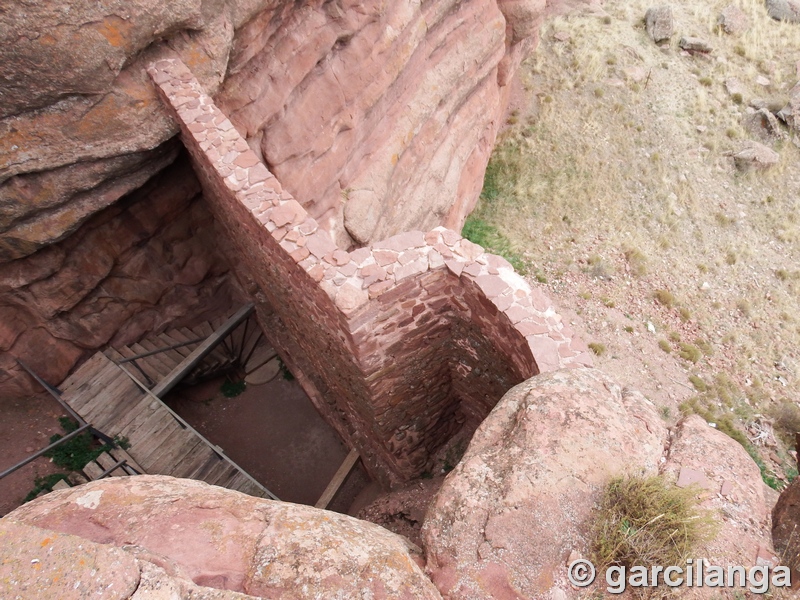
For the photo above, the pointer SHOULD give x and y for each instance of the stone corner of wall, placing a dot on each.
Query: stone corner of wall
(353, 280)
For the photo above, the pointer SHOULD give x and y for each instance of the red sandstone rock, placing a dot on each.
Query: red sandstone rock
(785, 527)
(124, 273)
(710, 455)
(231, 541)
(39, 564)
(521, 498)
(327, 95)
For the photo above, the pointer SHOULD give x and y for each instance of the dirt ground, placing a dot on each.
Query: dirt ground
(274, 433)
(26, 427)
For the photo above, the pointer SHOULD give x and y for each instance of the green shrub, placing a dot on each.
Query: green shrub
(664, 297)
(690, 352)
(786, 416)
(74, 454)
(231, 389)
(42, 484)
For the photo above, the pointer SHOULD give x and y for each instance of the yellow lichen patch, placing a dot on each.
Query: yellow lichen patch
(115, 30)
(46, 541)
(196, 59)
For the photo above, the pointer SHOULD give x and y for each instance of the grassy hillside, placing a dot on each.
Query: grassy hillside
(613, 186)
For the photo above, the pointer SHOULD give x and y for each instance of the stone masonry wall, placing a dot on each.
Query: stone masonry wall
(404, 341)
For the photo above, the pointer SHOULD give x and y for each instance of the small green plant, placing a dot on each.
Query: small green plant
(608, 302)
(698, 383)
(483, 233)
(685, 313)
(647, 521)
(628, 329)
(44, 484)
(598, 348)
(706, 81)
(231, 389)
(285, 372)
(664, 345)
(637, 261)
(75, 453)
(786, 418)
(666, 413)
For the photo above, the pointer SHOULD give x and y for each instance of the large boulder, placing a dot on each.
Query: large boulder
(786, 528)
(519, 505)
(40, 563)
(81, 124)
(520, 501)
(755, 157)
(230, 541)
(734, 493)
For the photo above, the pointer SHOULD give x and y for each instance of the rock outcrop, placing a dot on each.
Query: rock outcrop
(211, 537)
(520, 502)
(735, 495)
(755, 157)
(148, 261)
(521, 499)
(659, 23)
(387, 110)
(378, 116)
(784, 10)
(786, 528)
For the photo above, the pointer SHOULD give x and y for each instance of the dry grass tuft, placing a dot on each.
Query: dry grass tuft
(648, 521)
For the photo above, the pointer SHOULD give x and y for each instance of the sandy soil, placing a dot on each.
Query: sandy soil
(274, 433)
(26, 427)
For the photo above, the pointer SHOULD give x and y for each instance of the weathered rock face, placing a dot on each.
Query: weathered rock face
(80, 126)
(659, 23)
(735, 495)
(520, 500)
(135, 267)
(380, 116)
(786, 528)
(226, 540)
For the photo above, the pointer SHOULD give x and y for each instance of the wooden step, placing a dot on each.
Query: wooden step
(194, 462)
(119, 454)
(93, 471)
(167, 340)
(105, 408)
(173, 452)
(164, 433)
(61, 484)
(106, 461)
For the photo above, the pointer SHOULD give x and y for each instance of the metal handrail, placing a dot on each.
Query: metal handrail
(36, 455)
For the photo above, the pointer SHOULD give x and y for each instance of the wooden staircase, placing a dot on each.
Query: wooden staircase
(109, 392)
